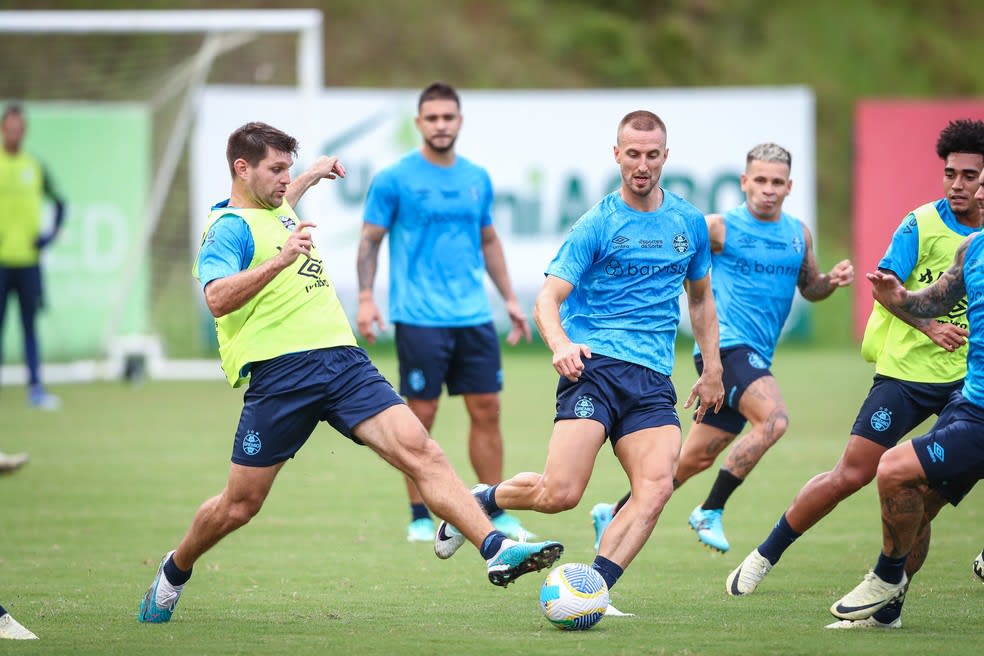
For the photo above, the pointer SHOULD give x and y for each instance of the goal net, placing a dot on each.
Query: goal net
(110, 99)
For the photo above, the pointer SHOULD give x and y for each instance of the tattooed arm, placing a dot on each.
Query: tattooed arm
(939, 298)
(816, 286)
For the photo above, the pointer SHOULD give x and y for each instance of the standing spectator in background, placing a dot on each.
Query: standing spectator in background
(919, 364)
(760, 256)
(24, 184)
(437, 208)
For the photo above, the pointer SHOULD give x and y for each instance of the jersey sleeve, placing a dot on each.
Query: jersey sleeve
(903, 251)
(488, 199)
(227, 249)
(700, 263)
(576, 254)
(382, 201)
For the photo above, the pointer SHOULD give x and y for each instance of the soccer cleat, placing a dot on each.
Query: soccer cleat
(40, 398)
(870, 596)
(746, 577)
(517, 558)
(979, 566)
(420, 530)
(161, 598)
(13, 461)
(447, 540)
(707, 524)
(601, 517)
(867, 623)
(511, 527)
(11, 629)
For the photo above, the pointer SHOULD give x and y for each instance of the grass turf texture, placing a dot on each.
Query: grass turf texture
(116, 476)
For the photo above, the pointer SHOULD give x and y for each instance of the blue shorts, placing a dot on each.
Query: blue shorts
(288, 395)
(894, 407)
(742, 366)
(466, 358)
(623, 396)
(952, 452)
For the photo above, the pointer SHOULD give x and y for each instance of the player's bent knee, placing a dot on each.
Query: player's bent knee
(558, 499)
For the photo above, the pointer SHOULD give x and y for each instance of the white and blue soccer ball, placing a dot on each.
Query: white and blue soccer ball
(574, 597)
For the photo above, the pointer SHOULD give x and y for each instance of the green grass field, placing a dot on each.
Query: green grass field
(116, 476)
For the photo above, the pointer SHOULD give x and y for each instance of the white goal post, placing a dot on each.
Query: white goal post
(223, 30)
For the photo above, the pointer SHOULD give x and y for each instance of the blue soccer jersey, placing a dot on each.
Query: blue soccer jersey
(434, 216)
(973, 272)
(627, 268)
(754, 279)
(903, 251)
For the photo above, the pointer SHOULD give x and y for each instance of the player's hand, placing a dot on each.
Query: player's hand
(326, 167)
(367, 315)
(842, 274)
(520, 325)
(886, 288)
(300, 242)
(567, 360)
(946, 335)
(708, 392)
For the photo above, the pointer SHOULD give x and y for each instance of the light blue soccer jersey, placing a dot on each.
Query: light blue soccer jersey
(754, 279)
(973, 271)
(434, 216)
(228, 248)
(903, 251)
(628, 268)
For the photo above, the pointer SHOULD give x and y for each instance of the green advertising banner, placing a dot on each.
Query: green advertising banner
(98, 156)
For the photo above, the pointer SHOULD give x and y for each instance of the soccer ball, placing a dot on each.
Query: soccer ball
(574, 597)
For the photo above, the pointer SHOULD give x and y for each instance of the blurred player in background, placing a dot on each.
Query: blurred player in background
(280, 325)
(11, 629)
(24, 186)
(917, 478)
(609, 311)
(437, 208)
(919, 363)
(760, 256)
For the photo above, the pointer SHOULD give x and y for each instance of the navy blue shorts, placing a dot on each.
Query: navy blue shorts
(288, 395)
(894, 407)
(741, 366)
(26, 282)
(466, 358)
(952, 452)
(623, 396)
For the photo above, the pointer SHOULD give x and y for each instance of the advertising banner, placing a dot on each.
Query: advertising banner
(549, 154)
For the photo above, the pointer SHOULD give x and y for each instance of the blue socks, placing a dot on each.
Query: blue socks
(890, 570)
(491, 544)
(418, 511)
(608, 570)
(174, 575)
(486, 499)
(778, 541)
